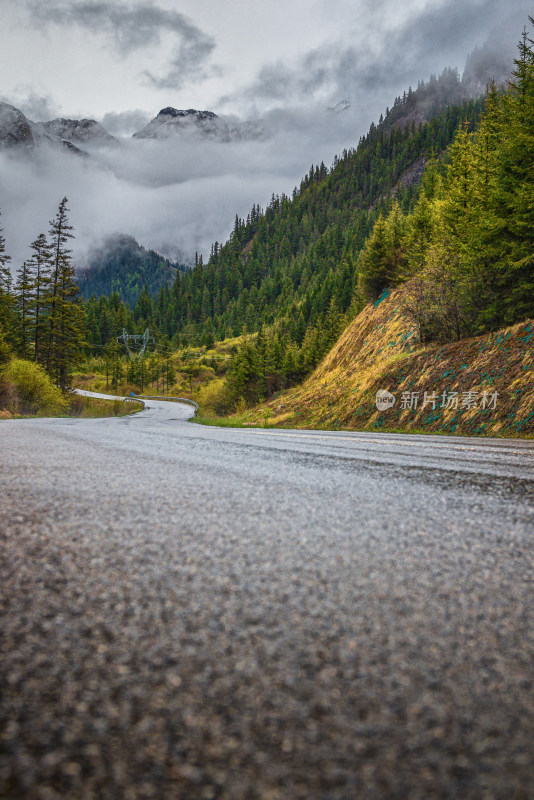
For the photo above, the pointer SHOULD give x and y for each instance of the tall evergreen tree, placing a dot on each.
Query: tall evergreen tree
(60, 233)
(7, 316)
(25, 308)
(514, 195)
(65, 328)
(40, 265)
(5, 273)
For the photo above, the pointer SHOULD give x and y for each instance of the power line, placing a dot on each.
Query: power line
(163, 352)
(134, 340)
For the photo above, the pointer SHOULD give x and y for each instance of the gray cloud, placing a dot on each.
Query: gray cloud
(36, 107)
(189, 60)
(125, 123)
(177, 196)
(174, 195)
(133, 28)
(385, 64)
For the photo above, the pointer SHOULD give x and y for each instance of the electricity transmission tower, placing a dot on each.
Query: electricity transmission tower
(135, 343)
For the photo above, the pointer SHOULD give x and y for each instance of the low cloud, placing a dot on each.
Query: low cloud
(136, 27)
(180, 195)
(175, 197)
(189, 61)
(380, 63)
(125, 123)
(36, 107)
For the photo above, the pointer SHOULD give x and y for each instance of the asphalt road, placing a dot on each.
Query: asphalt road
(191, 612)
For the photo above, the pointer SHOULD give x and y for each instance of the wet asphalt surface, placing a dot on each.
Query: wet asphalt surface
(189, 612)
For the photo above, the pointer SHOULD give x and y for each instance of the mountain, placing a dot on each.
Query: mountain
(434, 96)
(287, 263)
(79, 131)
(122, 265)
(16, 130)
(191, 123)
(293, 266)
(416, 106)
(172, 122)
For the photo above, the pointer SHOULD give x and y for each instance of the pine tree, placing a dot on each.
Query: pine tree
(40, 265)
(479, 255)
(381, 261)
(459, 185)
(7, 315)
(65, 328)
(373, 269)
(60, 233)
(5, 273)
(24, 288)
(513, 202)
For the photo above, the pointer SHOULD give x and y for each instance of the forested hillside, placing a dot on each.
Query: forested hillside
(293, 264)
(468, 245)
(465, 250)
(477, 386)
(289, 264)
(123, 266)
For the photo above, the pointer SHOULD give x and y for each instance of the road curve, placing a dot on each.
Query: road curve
(193, 612)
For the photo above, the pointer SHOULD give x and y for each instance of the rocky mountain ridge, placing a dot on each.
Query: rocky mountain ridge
(17, 130)
(192, 123)
(75, 135)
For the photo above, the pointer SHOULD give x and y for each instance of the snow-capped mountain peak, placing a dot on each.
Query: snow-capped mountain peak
(83, 131)
(16, 130)
(190, 122)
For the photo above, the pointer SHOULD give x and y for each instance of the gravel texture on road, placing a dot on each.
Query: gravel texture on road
(192, 612)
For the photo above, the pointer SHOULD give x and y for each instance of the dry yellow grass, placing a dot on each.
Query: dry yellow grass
(379, 350)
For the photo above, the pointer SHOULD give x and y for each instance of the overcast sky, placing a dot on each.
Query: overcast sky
(122, 61)
(93, 57)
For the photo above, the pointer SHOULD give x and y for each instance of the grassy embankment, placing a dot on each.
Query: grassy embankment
(380, 350)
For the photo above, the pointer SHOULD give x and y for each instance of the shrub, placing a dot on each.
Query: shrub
(36, 392)
(214, 396)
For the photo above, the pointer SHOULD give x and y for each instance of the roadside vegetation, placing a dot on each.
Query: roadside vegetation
(197, 373)
(90, 407)
(476, 386)
(26, 390)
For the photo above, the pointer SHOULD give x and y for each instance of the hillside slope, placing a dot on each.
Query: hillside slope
(122, 265)
(379, 351)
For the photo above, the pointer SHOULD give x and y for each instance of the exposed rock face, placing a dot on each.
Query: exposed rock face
(81, 131)
(76, 135)
(171, 122)
(15, 128)
(194, 124)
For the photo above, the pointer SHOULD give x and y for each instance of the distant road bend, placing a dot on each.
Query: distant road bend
(194, 612)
